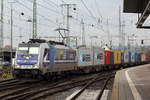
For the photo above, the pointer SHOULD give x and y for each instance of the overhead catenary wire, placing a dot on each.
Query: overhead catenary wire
(51, 3)
(63, 1)
(47, 8)
(40, 24)
(56, 5)
(37, 13)
(24, 20)
(87, 8)
(59, 6)
(96, 4)
(17, 26)
(97, 20)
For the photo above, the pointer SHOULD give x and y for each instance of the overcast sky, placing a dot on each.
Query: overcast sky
(51, 15)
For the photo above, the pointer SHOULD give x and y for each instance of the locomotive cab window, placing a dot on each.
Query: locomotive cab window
(22, 51)
(33, 50)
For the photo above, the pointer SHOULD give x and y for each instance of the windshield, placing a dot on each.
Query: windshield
(22, 51)
(33, 50)
(28, 50)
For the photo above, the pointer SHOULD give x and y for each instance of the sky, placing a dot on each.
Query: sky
(101, 18)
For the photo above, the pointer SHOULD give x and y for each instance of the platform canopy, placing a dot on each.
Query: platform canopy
(134, 6)
(138, 6)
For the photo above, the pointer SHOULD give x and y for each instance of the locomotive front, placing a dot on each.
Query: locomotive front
(27, 60)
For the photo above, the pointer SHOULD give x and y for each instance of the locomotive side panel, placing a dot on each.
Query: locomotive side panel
(57, 59)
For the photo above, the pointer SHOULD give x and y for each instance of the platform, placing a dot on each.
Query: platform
(132, 84)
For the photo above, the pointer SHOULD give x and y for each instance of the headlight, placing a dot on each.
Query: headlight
(17, 66)
(35, 66)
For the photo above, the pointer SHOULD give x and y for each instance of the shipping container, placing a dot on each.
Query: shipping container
(136, 57)
(111, 57)
(142, 57)
(122, 57)
(107, 57)
(98, 56)
(117, 56)
(147, 58)
(126, 57)
(132, 57)
(85, 56)
(129, 57)
(139, 54)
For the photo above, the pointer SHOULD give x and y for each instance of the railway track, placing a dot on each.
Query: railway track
(25, 94)
(17, 85)
(14, 83)
(6, 80)
(43, 90)
(79, 95)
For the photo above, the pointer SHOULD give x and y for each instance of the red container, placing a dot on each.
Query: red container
(147, 58)
(107, 57)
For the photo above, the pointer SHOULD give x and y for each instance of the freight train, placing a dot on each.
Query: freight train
(46, 59)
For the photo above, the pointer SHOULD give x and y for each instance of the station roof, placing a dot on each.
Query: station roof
(138, 6)
(134, 6)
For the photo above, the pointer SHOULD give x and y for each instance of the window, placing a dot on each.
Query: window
(23, 48)
(33, 50)
(22, 51)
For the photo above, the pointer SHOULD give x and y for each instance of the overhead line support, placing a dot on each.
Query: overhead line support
(1, 33)
(68, 6)
(34, 34)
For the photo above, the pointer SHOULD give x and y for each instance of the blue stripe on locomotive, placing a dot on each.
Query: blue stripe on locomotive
(129, 57)
(52, 56)
(27, 59)
(122, 57)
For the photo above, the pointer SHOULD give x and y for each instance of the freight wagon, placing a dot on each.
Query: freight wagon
(38, 60)
(90, 59)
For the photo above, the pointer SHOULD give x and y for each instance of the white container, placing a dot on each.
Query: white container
(98, 56)
(143, 57)
(126, 54)
(85, 57)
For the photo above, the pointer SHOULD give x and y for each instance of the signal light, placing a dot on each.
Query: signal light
(142, 41)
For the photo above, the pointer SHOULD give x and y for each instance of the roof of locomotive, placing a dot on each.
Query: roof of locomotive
(57, 46)
(29, 44)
